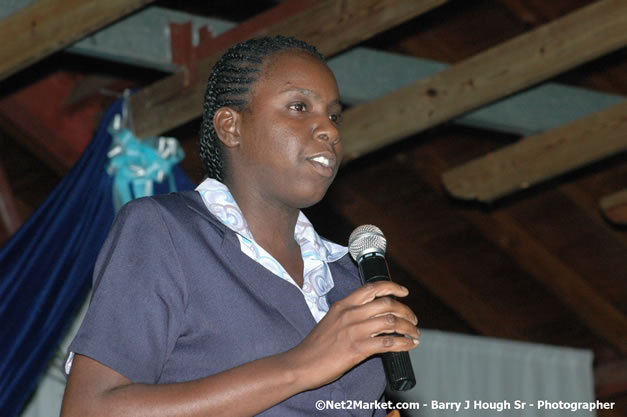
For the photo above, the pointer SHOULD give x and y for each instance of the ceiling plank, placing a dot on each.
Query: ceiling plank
(579, 37)
(571, 288)
(144, 38)
(529, 112)
(46, 26)
(540, 157)
(330, 25)
(614, 207)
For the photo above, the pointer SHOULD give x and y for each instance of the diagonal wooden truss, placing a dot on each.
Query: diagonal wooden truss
(30, 34)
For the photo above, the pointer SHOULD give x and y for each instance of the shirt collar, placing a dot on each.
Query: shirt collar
(222, 205)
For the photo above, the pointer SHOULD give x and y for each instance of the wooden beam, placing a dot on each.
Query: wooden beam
(540, 157)
(540, 108)
(529, 112)
(572, 289)
(490, 75)
(46, 26)
(614, 207)
(599, 315)
(331, 25)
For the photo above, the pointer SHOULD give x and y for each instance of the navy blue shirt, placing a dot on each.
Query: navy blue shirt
(175, 299)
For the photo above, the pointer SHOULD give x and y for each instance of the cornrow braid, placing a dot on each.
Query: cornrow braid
(230, 82)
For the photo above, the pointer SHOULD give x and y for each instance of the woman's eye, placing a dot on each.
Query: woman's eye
(298, 107)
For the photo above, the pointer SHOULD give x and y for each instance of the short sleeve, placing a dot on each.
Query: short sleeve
(139, 298)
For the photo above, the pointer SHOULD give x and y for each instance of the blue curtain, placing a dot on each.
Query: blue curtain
(46, 267)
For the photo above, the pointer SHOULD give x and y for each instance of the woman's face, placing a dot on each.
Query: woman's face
(290, 146)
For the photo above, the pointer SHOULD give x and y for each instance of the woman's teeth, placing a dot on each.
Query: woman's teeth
(321, 160)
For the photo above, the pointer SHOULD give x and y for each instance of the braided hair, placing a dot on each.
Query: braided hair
(230, 82)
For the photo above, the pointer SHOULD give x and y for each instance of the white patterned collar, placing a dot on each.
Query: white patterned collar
(316, 252)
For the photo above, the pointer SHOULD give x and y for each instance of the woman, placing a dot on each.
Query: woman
(216, 302)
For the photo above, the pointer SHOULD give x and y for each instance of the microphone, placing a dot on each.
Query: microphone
(367, 247)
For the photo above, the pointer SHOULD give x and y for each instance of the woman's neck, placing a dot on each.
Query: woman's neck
(272, 227)
(272, 224)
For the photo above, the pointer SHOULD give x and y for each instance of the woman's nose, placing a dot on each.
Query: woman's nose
(327, 131)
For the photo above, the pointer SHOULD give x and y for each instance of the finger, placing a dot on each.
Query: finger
(389, 323)
(373, 290)
(385, 324)
(388, 305)
(388, 343)
(361, 336)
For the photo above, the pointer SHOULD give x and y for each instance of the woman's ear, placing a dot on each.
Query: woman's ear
(226, 123)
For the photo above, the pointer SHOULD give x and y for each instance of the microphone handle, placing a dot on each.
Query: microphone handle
(397, 365)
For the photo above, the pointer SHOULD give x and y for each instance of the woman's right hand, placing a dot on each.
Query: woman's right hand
(349, 333)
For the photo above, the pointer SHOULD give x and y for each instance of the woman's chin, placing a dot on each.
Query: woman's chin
(311, 198)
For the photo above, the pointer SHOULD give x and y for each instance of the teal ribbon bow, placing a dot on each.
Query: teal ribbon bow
(136, 164)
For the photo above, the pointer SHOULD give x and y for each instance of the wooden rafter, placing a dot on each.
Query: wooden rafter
(331, 25)
(599, 314)
(572, 289)
(493, 74)
(46, 26)
(614, 207)
(540, 157)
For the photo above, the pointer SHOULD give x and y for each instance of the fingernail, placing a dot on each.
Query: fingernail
(416, 341)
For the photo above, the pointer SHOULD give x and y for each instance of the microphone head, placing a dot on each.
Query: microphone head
(366, 239)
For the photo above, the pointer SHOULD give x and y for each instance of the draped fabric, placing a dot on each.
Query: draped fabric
(46, 267)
